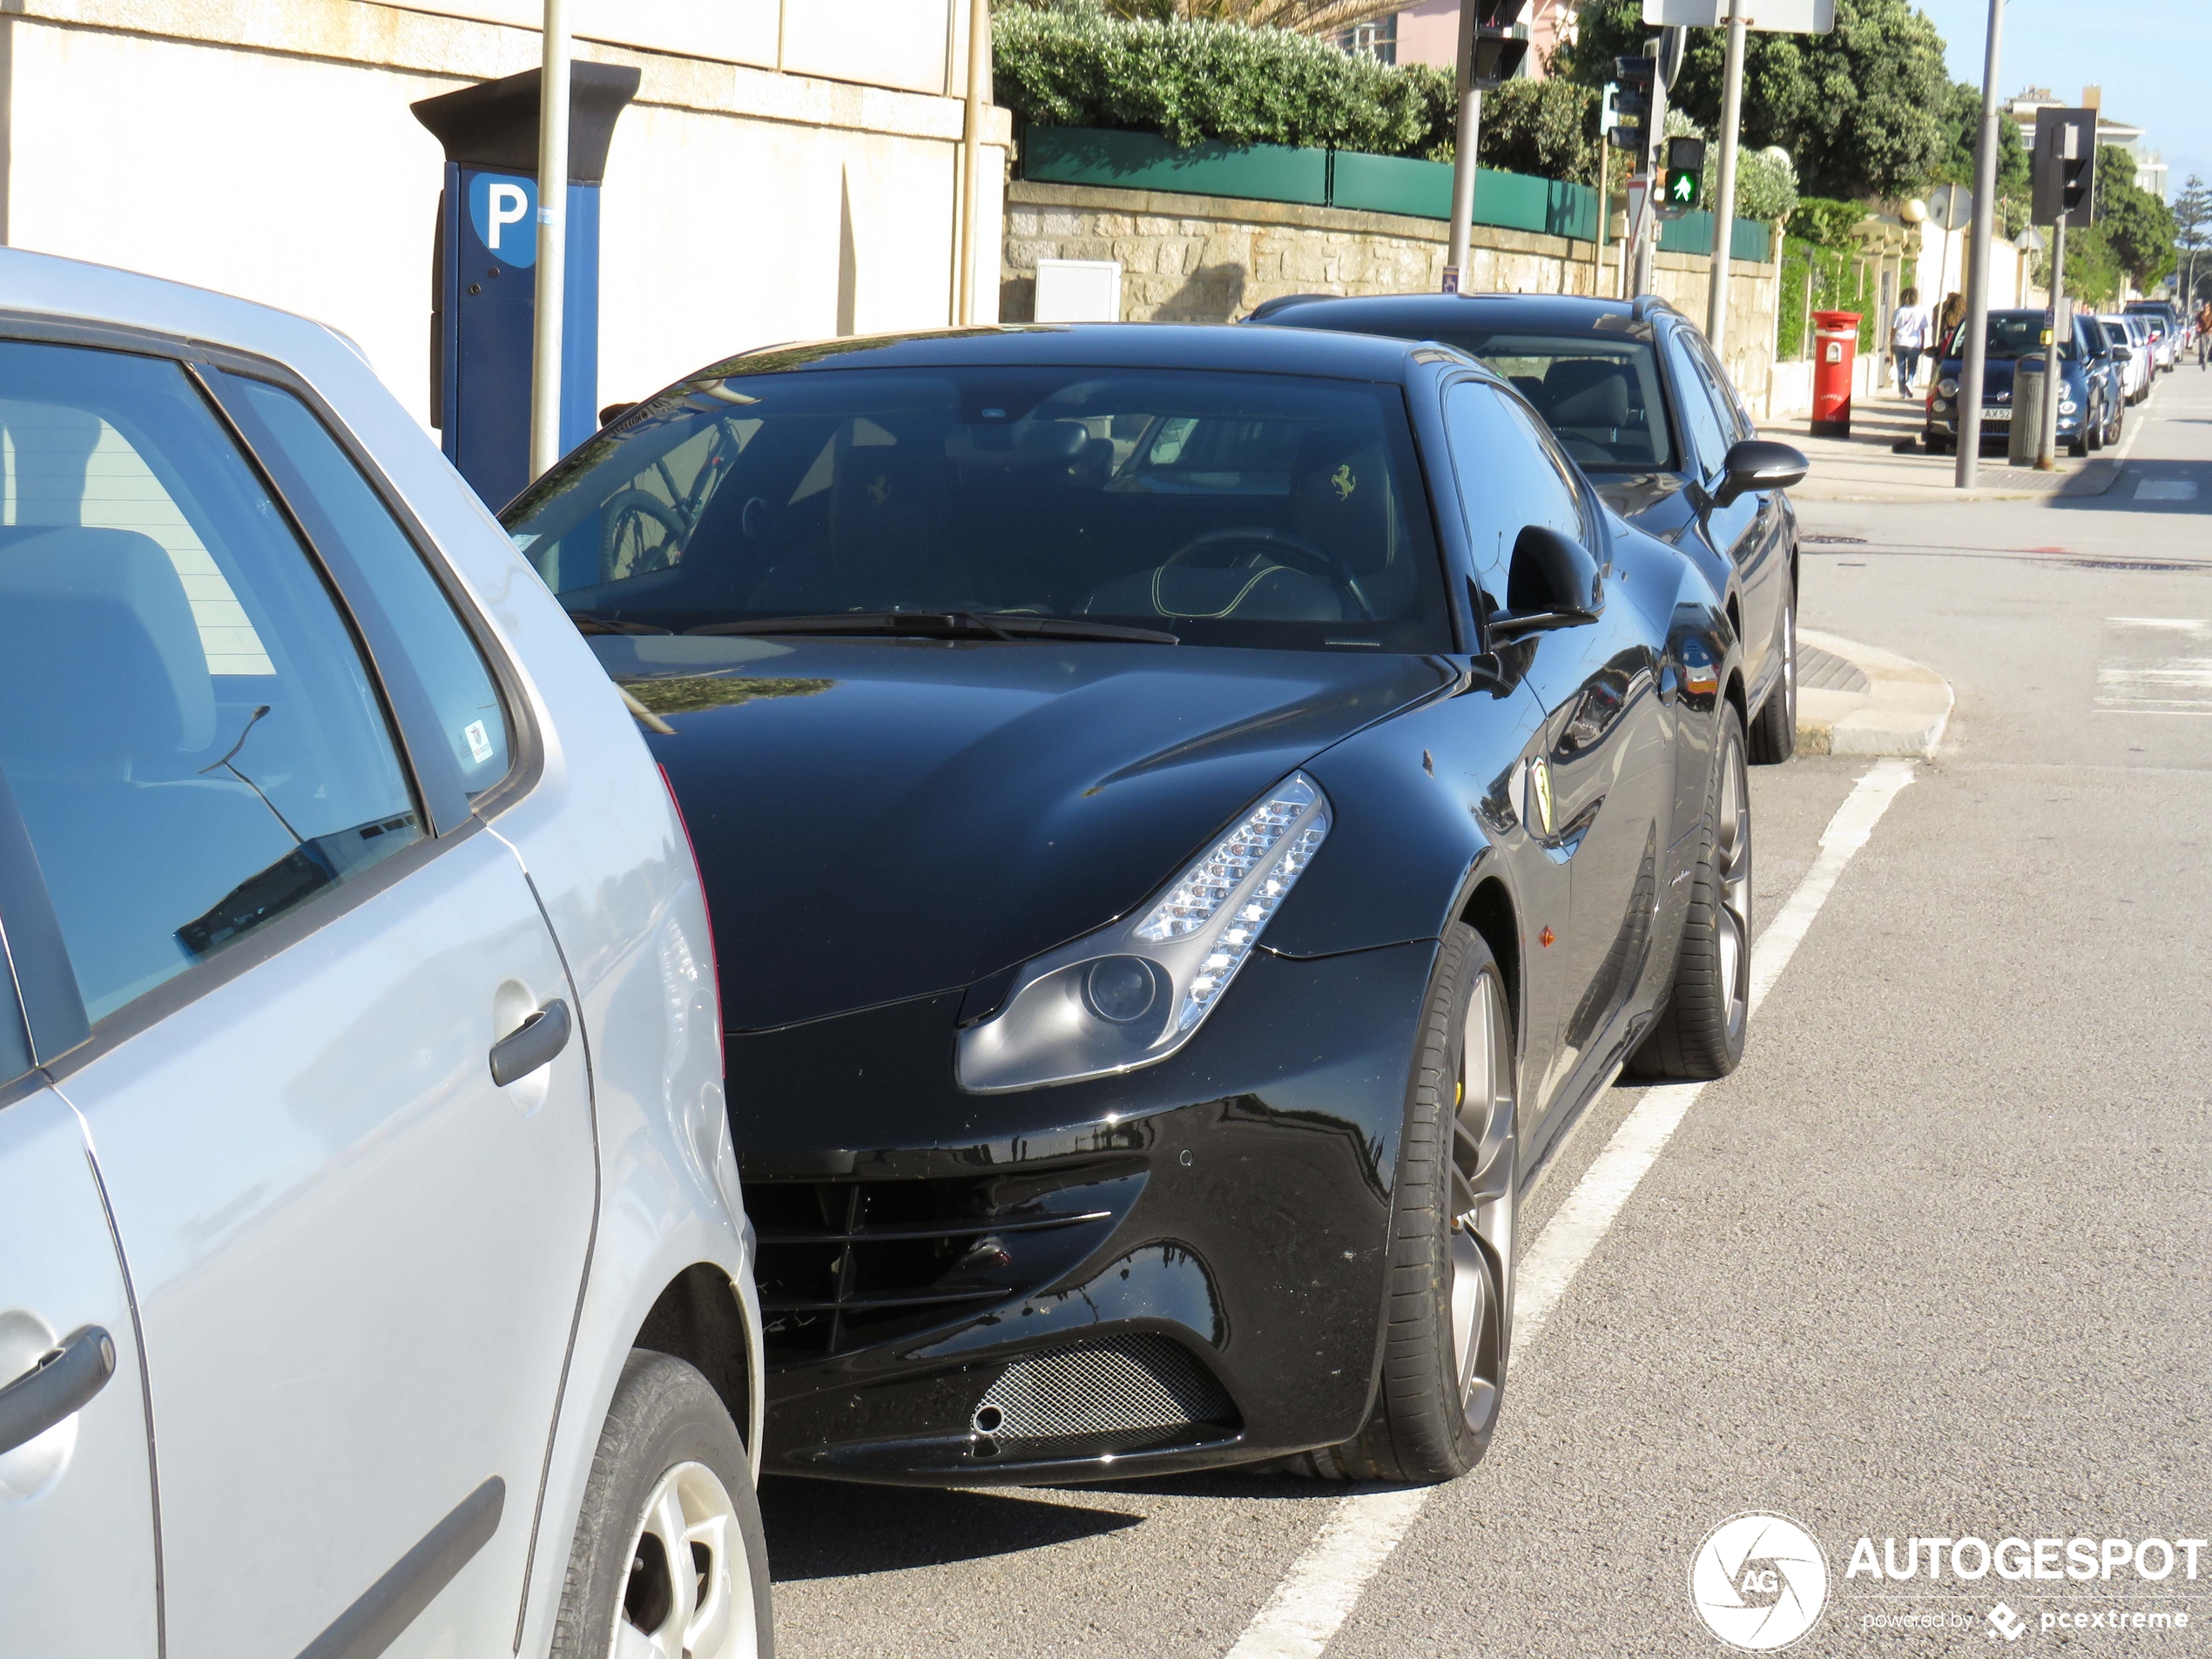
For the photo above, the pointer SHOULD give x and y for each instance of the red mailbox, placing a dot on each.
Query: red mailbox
(1835, 350)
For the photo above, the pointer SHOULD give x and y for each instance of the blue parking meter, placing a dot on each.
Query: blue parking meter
(484, 294)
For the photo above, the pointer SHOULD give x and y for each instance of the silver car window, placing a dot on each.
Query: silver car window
(187, 725)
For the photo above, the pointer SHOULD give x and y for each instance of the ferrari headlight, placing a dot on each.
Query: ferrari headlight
(1133, 993)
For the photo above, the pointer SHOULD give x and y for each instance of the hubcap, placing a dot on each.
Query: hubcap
(1483, 1193)
(688, 1594)
(1732, 861)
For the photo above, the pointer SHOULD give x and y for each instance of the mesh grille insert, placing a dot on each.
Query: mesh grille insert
(1145, 1382)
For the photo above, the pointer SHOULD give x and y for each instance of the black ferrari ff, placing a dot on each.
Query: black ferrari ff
(1636, 395)
(1188, 814)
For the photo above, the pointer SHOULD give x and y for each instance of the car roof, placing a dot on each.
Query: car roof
(1100, 345)
(1440, 315)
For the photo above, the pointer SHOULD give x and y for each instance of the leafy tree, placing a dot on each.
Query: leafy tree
(1862, 111)
(2193, 234)
(2136, 226)
(1962, 125)
(1306, 16)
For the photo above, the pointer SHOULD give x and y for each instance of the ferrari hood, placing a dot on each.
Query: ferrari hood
(881, 818)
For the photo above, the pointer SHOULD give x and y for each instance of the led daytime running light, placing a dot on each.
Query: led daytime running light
(1205, 887)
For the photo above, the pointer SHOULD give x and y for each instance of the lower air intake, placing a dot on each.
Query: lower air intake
(1137, 1383)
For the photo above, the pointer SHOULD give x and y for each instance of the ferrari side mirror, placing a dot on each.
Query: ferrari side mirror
(1552, 582)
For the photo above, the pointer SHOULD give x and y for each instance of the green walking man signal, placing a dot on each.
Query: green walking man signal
(1684, 177)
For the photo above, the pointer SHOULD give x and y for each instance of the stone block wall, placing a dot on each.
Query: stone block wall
(1211, 258)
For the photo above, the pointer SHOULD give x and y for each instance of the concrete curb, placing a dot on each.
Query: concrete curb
(1905, 714)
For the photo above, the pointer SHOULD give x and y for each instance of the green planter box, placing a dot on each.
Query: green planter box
(1269, 173)
(1692, 233)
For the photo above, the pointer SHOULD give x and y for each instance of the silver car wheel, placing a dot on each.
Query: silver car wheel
(1485, 1188)
(688, 1594)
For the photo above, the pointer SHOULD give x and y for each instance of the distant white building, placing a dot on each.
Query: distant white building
(2150, 168)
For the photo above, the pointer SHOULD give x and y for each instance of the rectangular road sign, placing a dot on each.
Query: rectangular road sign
(1774, 17)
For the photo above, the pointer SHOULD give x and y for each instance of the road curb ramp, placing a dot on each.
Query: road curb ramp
(1855, 699)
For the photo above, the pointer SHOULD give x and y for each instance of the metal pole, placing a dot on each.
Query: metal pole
(1977, 255)
(1724, 194)
(552, 239)
(979, 94)
(1604, 213)
(1645, 232)
(1463, 154)
(2047, 440)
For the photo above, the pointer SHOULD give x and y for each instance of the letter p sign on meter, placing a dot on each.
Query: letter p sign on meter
(504, 213)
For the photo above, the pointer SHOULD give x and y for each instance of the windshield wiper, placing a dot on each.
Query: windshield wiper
(943, 624)
(588, 622)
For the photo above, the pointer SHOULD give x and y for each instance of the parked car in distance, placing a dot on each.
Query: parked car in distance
(2164, 328)
(1190, 813)
(2124, 336)
(1645, 410)
(372, 1271)
(2089, 375)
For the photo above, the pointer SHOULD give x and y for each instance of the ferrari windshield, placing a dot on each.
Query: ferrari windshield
(1224, 509)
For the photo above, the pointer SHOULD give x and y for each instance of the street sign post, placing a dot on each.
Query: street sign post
(1492, 45)
(1770, 17)
(2063, 182)
(1970, 371)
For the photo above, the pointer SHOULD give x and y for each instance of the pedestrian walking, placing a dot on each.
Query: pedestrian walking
(1908, 339)
(1947, 322)
(2204, 331)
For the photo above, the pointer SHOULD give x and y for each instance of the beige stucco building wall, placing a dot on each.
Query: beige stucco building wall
(788, 170)
(1209, 259)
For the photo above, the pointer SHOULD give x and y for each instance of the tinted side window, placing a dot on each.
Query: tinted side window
(460, 687)
(1736, 420)
(1508, 478)
(186, 724)
(1701, 422)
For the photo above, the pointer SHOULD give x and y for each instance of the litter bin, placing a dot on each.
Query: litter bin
(1835, 352)
(2025, 435)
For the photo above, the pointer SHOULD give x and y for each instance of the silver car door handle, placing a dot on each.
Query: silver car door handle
(62, 1382)
(531, 1044)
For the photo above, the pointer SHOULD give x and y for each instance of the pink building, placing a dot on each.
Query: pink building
(1429, 33)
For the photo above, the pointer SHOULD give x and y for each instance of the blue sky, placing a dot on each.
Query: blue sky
(2153, 58)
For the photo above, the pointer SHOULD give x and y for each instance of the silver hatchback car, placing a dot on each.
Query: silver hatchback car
(372, 1276)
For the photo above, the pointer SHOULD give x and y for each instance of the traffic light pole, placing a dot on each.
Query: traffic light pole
(1464, 145)
(2046, 440)
(1644, 234)
(1724, 203)
(1977, 324)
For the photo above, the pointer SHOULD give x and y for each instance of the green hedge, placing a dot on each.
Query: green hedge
(1193, 82)
(1843, 280)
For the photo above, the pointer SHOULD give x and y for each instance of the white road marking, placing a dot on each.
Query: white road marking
(1317, 1594)
(2147, 677)
(2165, 490)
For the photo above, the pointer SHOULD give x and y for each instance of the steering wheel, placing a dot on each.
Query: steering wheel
(1303, 555)
(628, 524)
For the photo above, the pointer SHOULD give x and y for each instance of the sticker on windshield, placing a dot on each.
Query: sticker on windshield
(479, 741)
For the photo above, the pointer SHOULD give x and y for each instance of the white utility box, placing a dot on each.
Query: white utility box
(1079, 291)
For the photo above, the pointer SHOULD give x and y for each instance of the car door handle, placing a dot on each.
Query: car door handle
(531, 1044)
(59, 1384)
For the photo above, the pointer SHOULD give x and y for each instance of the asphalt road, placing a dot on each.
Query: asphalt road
(1930, 1265)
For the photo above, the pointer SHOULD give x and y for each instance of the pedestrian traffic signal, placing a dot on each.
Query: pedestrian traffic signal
(2063, 176)
(1500, 44)
(1629, 115)
(1685, 175)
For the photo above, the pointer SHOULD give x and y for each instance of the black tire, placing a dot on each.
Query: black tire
(2095, 434)
(1700, 1033)
(1448, 1298)
(666, 1425)
(1940, 446)
(2077, 446)
(1774, 729)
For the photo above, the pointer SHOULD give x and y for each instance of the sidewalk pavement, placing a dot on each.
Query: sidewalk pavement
(1855, 699)
(1865, 466)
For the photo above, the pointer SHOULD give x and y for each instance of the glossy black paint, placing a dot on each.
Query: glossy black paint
(886, 825)
(1747, 546)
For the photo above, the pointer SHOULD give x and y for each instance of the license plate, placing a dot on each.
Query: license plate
(1988, 415)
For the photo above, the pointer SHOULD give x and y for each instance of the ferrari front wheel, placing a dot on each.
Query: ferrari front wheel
(1447, 1323)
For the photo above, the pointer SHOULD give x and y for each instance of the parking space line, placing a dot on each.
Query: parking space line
(1323, 1586)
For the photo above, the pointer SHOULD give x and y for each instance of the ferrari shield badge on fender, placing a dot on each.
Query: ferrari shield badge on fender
(1539, 794)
